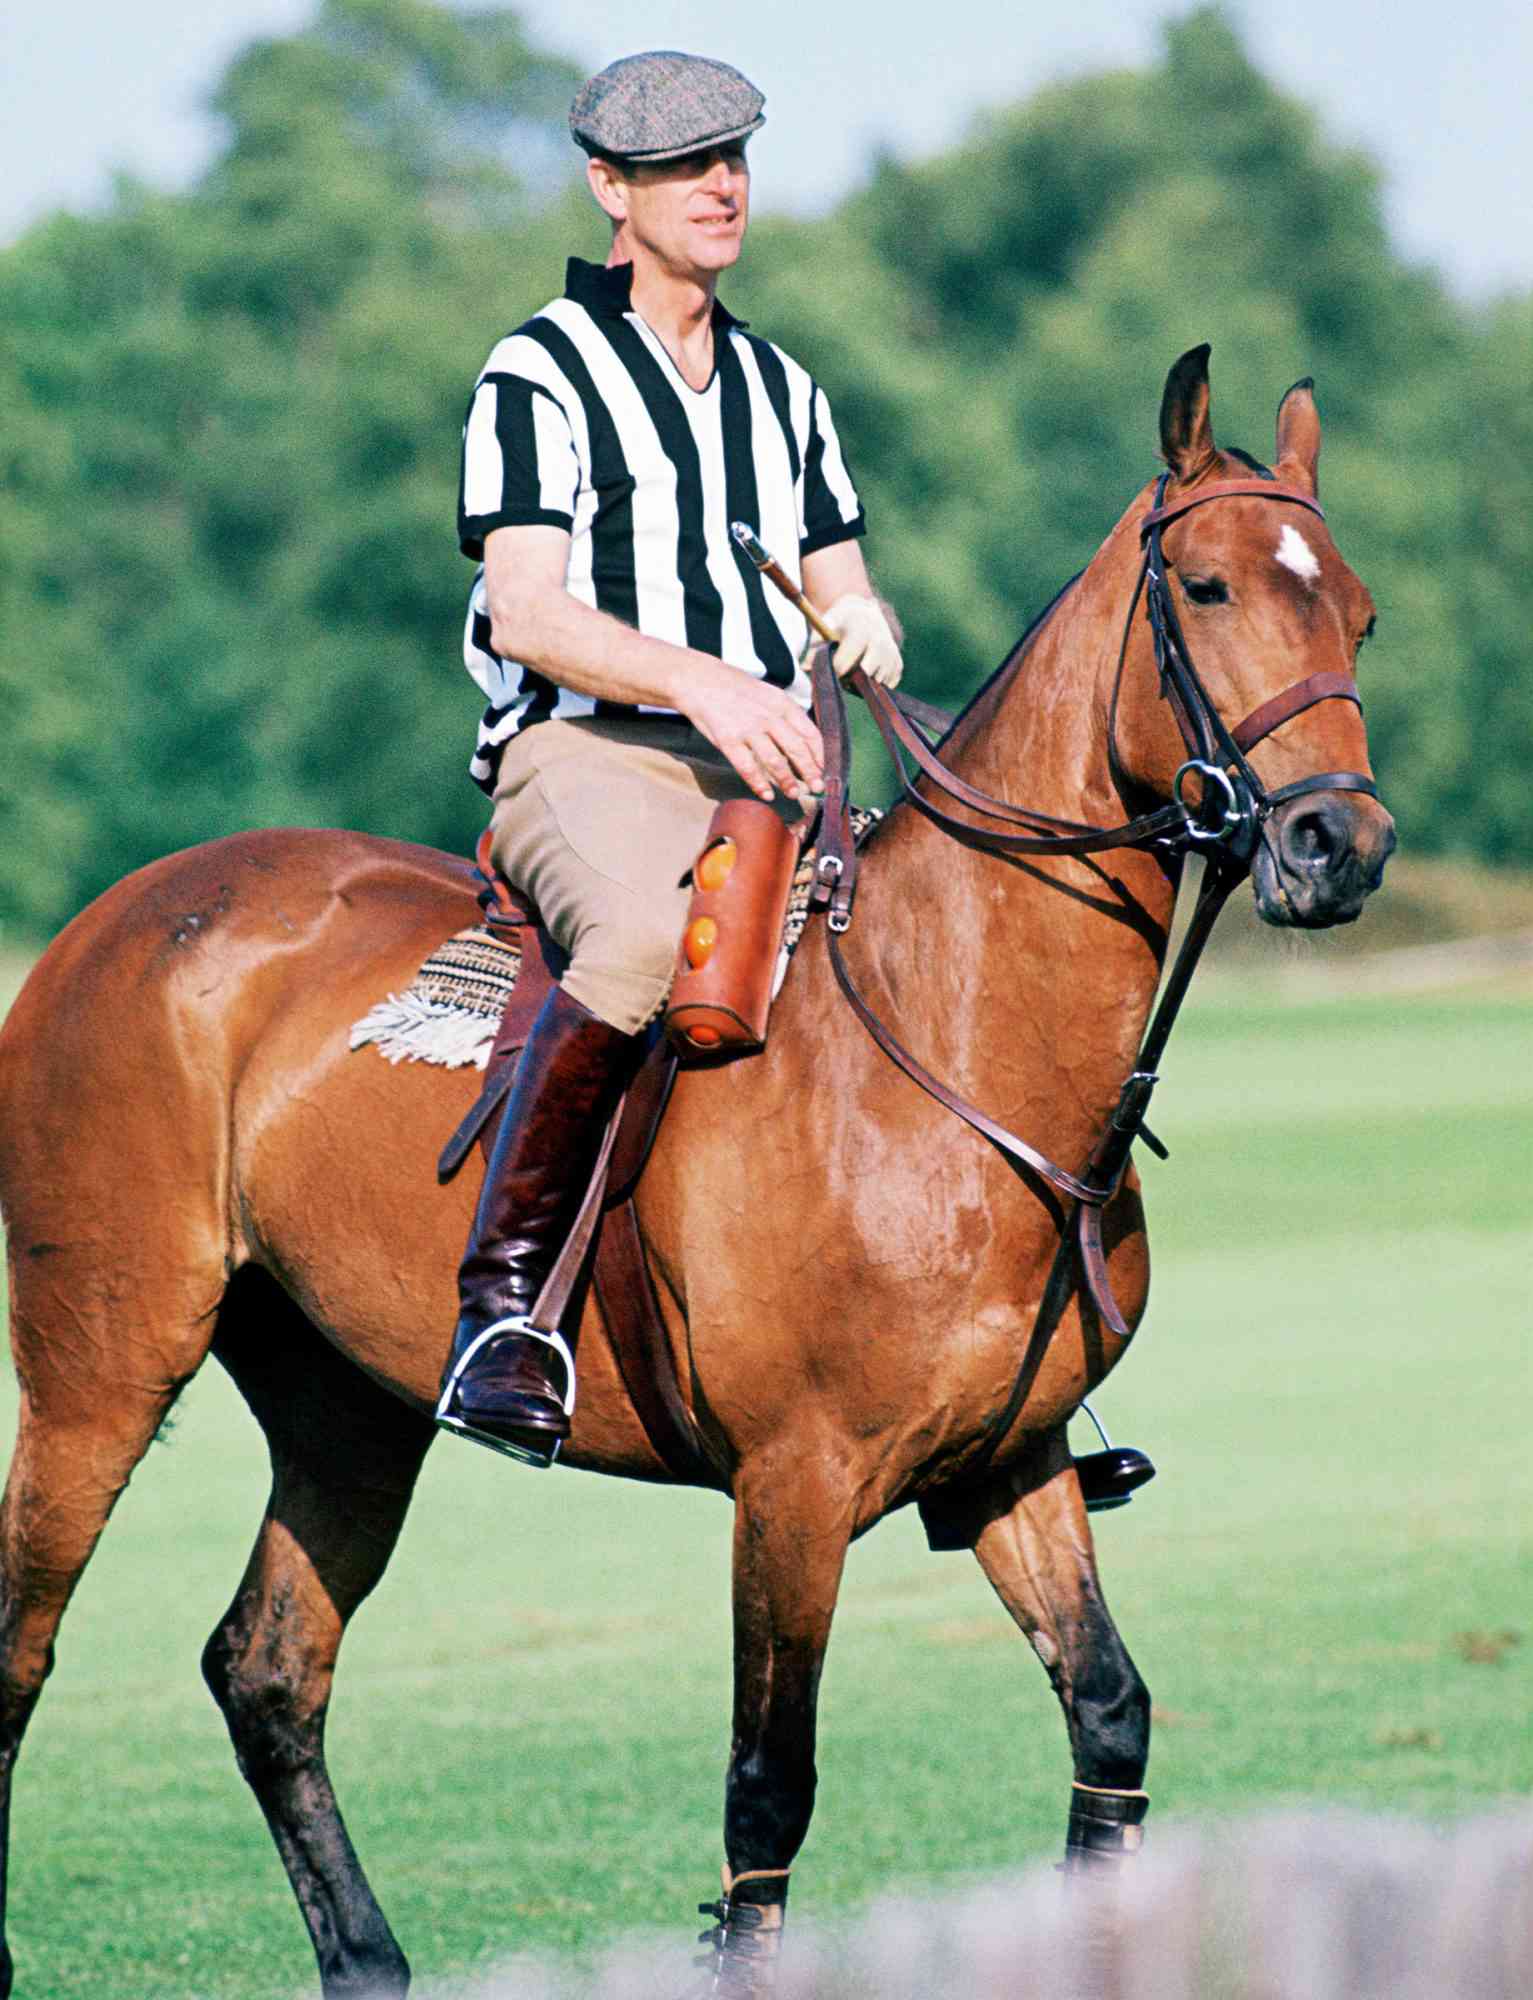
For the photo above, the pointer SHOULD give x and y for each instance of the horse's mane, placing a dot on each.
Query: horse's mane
(1012, 660)
(1011, 663)
(1254, 464)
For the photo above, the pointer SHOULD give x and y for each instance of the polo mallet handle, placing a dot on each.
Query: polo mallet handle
(775, 573)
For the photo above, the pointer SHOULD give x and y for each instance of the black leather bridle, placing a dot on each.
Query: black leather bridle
(1234, 804)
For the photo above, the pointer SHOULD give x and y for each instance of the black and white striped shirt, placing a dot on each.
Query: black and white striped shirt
(582, 421)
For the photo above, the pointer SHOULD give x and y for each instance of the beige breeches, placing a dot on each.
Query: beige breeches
(599, 823)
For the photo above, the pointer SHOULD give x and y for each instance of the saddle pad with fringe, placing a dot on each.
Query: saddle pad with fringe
(449, 1012)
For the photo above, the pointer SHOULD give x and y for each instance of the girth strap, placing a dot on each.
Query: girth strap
(636, 1332)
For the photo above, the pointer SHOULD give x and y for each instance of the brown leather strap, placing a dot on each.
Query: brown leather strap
(835, 862)
(894, 728)
(553, 1301)
(1088, 1242)
(636, 1331)
(924, 714)
(1325, 781)
(499, 1080)
(648, 1095)
(1008, 1142)
(1227, 489)
(1045, 835)
(1293, 701)
(534, 978)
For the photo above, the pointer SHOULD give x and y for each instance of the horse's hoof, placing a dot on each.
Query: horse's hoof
(1110, 1478)
(745, 1940)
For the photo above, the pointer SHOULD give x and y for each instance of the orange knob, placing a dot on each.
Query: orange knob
(717, 865)
(702, 935)
(704, 1036)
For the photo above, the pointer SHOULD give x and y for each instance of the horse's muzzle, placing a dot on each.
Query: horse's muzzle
(1319, 859)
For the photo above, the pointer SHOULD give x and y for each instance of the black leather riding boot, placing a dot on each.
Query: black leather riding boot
(506, 1385)
(1109, 1478)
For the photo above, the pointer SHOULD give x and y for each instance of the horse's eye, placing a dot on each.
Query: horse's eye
(1206, 589)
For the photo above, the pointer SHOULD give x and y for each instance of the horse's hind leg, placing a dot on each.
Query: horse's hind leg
(1034, 1544)
(345, 1456)
(106, 1330)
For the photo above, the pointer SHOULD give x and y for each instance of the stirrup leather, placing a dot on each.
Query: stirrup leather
(447, 1418)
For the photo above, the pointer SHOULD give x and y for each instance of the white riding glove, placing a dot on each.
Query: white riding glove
(866, 640)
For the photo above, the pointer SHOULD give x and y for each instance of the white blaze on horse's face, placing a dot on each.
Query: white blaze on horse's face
(1294, 553)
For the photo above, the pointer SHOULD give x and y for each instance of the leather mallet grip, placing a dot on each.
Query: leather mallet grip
(773, 571)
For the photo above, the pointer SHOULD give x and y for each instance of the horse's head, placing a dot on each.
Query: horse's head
(1256, 619)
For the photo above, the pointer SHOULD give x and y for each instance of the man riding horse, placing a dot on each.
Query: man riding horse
(637, 672)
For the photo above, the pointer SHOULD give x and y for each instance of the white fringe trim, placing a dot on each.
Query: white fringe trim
(405, 1028)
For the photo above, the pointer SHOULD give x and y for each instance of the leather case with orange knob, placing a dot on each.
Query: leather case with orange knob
(722, 992)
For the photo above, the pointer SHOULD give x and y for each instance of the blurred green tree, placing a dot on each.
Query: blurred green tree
(229, 593)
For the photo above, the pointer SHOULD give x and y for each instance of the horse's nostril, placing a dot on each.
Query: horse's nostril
(1310, 840)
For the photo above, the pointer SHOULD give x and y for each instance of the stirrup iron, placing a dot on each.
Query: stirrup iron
(1110, 1477)
(447, 1419)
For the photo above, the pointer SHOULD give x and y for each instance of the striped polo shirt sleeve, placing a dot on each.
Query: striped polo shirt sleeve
(520, 466)
(830, 510)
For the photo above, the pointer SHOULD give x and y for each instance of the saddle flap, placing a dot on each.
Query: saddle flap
(642, 1109)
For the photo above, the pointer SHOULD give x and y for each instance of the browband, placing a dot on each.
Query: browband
(1227, 489)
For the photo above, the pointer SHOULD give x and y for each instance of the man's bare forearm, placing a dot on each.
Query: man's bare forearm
(760, 729)
(541, 626)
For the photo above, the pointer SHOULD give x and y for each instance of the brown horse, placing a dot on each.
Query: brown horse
(192, 1160)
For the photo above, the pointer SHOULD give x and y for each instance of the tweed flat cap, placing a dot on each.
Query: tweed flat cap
(662, 105)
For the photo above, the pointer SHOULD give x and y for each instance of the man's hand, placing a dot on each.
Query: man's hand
(763, 732)
(866, 640)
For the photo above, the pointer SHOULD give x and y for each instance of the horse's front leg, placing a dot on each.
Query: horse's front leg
(793, 1521)
(1034, 1544)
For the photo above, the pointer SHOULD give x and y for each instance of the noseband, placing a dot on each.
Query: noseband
(1223, 825)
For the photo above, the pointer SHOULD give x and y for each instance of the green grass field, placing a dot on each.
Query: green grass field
(1327, 1588)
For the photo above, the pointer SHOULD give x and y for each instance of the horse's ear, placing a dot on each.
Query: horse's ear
(1186, 435)
(1298, 434)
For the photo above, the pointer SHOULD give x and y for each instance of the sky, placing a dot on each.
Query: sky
(1439, 97)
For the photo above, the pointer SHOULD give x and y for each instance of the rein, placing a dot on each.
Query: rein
(1223, 826)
